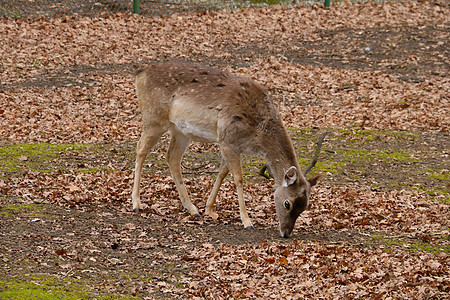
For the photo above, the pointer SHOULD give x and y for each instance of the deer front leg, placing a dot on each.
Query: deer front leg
(223, 172)
(178, 145)
(242, 210)
(234, 164)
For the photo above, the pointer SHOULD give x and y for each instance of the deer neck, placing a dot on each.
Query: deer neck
(280, 156)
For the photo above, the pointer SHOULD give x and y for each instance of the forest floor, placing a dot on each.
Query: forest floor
(373, 75)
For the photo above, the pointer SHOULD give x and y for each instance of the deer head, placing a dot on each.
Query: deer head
(291, 199)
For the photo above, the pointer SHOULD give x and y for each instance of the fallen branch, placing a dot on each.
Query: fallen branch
(316, 153)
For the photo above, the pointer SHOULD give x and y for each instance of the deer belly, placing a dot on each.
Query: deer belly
(197, 124)
(195, 131)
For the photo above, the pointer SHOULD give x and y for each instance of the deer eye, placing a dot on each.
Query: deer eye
(287, 204)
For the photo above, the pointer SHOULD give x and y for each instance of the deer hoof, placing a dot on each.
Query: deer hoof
(136, 210)
(213, 215)
(250, 228)
(197, 215)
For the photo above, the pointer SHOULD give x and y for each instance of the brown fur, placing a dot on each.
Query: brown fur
(205, 104)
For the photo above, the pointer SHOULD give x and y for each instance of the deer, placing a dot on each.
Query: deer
(204, 104)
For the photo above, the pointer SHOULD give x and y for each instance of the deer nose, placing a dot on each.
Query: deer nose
(286, 234)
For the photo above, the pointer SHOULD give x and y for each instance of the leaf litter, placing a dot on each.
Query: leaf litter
(69, 80)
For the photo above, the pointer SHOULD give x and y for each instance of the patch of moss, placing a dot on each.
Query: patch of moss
(129, 277)
(373, 135)
(440, 174)
(355, 155)
(5, 213)
(393, 244)
(332, 167)
(335, 161)
(49, 288)
(35, 157)
(91, 170)
(391, 155)
(358, 152)
(267, 2)
(9, 210)
(442, 195)
(303, 132)
(47, 158)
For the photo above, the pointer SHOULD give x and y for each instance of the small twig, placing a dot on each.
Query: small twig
(195, 168)
(316, 153)
(101, 284)
(207, 172)
(68, 273)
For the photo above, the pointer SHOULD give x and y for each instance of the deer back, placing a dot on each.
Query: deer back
(206, 104)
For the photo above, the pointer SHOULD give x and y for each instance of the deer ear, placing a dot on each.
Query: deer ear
(315, 179)
(290, 176)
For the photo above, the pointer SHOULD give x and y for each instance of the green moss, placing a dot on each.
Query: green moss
(392, 155)
(35, 157)
(41, 149)
(49, 288)
(332, 167)
(442, 195)
(16, 208)
(91, 170)
(385, 155)
(268, 2)
(430, 248)
(335, 161)
(356, 154)
(5, 213)
(47, 158)
(393, 244)
(129, 277)
(440, 174)
(303, 132)
(31, 209)
(373, 135)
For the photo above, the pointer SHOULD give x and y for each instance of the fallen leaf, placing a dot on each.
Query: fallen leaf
(61, 252)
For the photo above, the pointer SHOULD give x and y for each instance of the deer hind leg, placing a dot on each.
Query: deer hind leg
(234, 165)
(147, 141)
(223, 172)
(178, 145)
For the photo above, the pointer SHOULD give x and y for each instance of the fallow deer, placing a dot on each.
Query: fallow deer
(197, 103)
